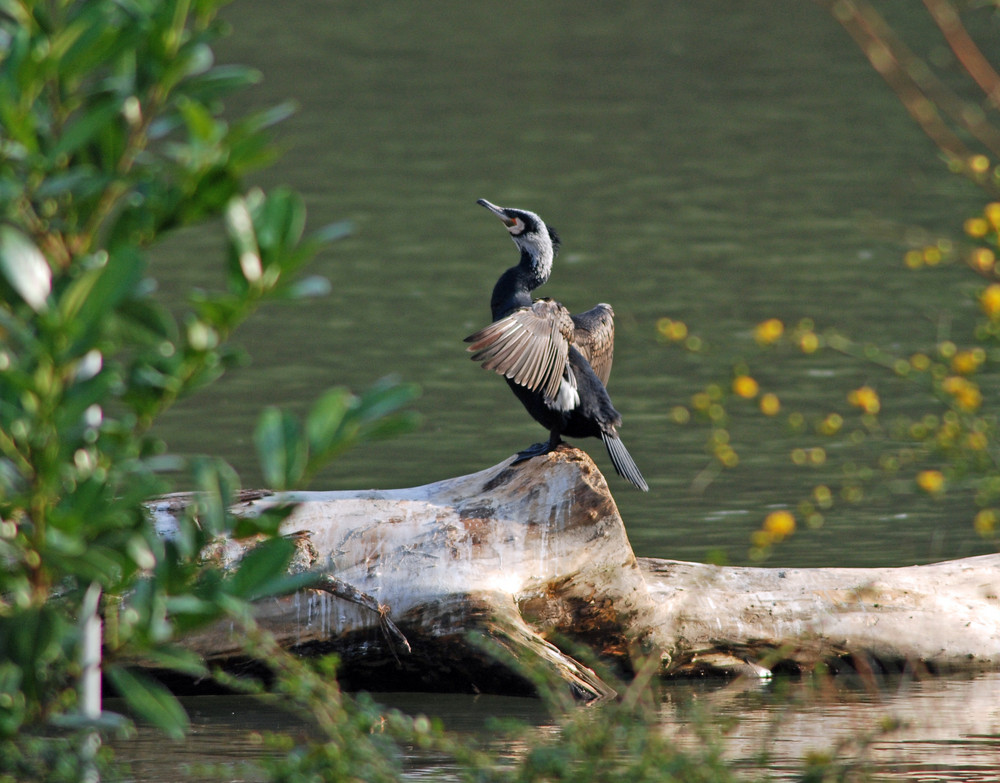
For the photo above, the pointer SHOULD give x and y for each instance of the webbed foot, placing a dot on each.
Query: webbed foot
(534, 450)
(538, 449)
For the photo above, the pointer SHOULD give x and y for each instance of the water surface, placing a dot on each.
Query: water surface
(946, 729)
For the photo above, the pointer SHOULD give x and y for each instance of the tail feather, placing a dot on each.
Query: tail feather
(622, 460)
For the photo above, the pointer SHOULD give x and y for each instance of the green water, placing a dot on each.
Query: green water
(713, 162)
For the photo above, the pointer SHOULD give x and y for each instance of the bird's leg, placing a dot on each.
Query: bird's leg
(538, 449)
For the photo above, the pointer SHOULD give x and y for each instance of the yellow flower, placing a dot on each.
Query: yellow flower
(761, 539)
(982, 258)
(931, 481)
(976, 441)
(953, 384)
(831, 424)
(920, 361)
(770, 404)
(989, 300)
(865, 398)
(809, 342)
(675, 331)
(967, 362)
(680, 414)
(985, 522)
(976, 228)
(947, 434)
(823, 495)
(966, 394)
(769, 331)
(979, 164)
(779, 524)
(932, 255)
(701, 401)
(970, 399)
(992, 212)
(726, 455)
(745, 386)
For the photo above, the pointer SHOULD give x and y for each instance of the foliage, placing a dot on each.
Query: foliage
(622, 740)
(951, 446)
(355, 739)
(351, 739)
(113, 136)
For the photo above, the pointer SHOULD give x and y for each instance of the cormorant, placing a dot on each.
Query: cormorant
(556, 363)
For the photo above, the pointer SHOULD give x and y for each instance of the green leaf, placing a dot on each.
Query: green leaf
(81, 181)
(87, 126)
(196, 59)
(12, 695)
(245, 264)
(150, 701)
(101, 40)
(268, 117)
(281, 449)
(392, 425)
(311, 287)
(279, 223)
(150, 320)
(202, 126)
(25, 268)
(38, 637)
(258, 566)
(76, 293)
(333, 232)
(220, 81)
(117, 280)
(387, 396)
(188, 611)
(216, 483)
(177, 659)
(324, 420)
(263, 572)
(266, 523)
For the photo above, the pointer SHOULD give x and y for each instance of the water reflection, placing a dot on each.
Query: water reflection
(950, 727)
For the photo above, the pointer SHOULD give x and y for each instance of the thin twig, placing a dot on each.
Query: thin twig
(928, 99)
(965, 49)
(341, 589)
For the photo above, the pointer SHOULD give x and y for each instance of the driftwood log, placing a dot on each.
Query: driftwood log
(456, 585)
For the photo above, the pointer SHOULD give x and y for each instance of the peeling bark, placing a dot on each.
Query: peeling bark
(531, 563)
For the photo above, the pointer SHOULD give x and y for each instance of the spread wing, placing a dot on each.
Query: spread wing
(594, 337)
(529, 346)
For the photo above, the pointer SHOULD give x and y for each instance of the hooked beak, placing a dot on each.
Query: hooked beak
(496, 211)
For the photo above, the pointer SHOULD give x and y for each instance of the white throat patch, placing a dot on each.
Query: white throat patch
(538, 245)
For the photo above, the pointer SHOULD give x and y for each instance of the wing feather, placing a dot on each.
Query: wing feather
(529, 346)
(594, 337)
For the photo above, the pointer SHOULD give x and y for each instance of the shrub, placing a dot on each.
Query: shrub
(113, 136)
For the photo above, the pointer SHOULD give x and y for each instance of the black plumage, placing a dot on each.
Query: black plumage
(556, 363)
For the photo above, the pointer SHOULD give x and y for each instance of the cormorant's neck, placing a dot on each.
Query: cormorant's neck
(513, 289)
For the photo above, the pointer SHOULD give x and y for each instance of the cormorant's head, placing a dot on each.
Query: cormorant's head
(529, 233)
